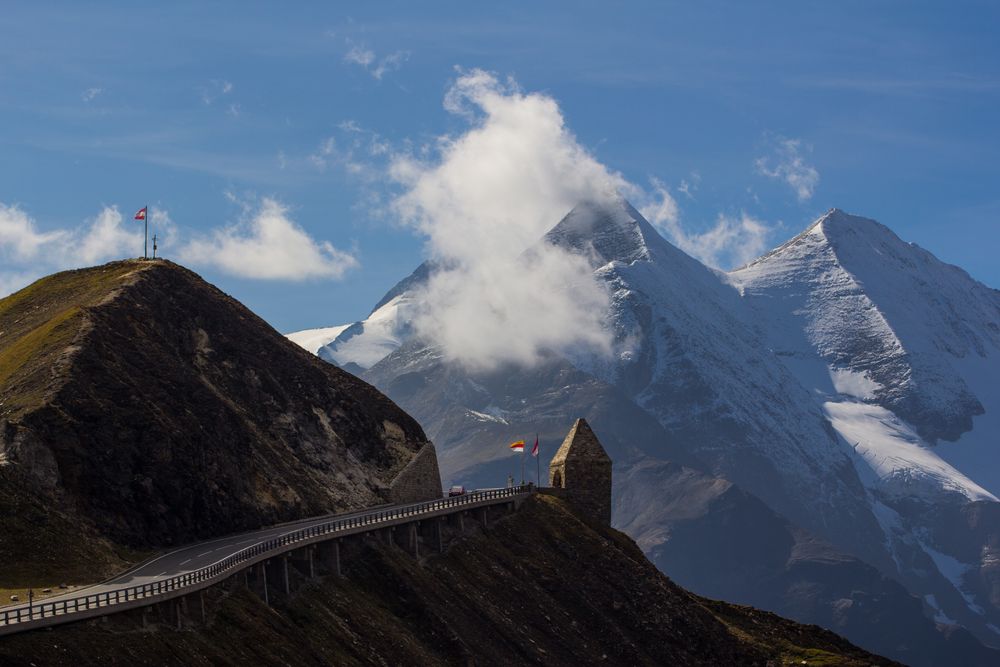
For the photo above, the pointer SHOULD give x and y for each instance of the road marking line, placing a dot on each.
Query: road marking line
(187, 561)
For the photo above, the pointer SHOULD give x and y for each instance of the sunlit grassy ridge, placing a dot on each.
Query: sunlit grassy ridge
(39, 323)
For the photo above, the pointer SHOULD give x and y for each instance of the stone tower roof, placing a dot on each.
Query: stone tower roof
(580, 445)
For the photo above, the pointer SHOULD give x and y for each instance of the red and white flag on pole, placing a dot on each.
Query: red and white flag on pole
(534, 449)
(141, 213)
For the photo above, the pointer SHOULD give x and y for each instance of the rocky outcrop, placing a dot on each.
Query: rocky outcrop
(159, 410)
(714, 538)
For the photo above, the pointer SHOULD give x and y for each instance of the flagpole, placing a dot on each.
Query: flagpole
(538, 464)
(522, 466)
(145, 238)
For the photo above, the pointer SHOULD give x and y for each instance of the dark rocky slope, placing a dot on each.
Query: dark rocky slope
(538, 587)
(152, 409)
(709, 535)
(721, 541)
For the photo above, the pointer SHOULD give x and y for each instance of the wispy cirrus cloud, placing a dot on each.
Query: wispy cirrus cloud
(887, 86)
(214, 90)
(321, 157)
(377, 67)
(688, 186)
(90, 94)
(359, 152)
(785, 162)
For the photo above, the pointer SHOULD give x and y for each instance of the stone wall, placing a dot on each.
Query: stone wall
(588, 488)
(419, 480)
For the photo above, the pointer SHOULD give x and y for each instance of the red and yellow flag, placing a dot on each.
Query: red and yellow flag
(517, 446)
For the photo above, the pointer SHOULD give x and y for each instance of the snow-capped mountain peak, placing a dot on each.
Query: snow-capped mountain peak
(872, 304)
(608, 230)
(902, 353)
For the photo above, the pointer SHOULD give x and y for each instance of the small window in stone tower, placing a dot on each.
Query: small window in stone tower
(557, 481)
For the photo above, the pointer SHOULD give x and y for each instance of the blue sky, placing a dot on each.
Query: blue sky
(275, 135)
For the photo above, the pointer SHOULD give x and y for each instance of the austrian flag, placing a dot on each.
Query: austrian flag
(141, 213)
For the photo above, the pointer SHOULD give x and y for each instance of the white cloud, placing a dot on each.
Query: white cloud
(787, 164)
(108, 236)
(20, 238)
(367, 60)
(102, 237)
(28, 253)
(731, 242)
(269, 246)
(482, 198)
(91, 93)
(493, 312)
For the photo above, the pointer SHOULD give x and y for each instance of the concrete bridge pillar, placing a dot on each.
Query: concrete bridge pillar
(330, 554)
(413, 539)
(262, 578)
(432, 532)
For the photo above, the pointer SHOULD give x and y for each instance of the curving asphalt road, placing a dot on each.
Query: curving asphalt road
(197, 566)
(192, 557)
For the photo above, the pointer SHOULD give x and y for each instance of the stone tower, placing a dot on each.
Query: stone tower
(582, 470)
